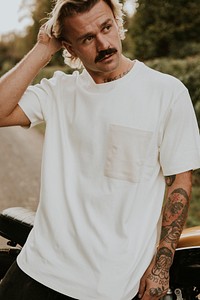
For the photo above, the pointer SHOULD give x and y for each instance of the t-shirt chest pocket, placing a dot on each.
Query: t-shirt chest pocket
(126, 152)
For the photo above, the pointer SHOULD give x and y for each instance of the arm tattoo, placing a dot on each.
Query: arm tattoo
(163, 263)
(174, 216)
(160, 271)
(170, 180)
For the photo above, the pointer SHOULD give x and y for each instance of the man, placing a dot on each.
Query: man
(116, 135)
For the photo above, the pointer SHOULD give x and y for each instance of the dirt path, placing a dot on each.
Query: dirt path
(20, 162)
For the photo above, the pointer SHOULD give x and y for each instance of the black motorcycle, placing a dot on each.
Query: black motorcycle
(17, 222)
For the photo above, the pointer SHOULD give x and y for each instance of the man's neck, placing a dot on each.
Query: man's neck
(123, 69)
(112, 78)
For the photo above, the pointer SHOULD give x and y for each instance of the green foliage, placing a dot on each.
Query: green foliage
(39, 14)
(194, 211)
(127, 43)
(166, 28)
(11, 51)
(14, 46)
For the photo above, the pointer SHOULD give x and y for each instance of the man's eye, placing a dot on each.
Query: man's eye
(107, 28)
(88, 39)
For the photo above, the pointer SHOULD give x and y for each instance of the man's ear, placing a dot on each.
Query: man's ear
(69, 48)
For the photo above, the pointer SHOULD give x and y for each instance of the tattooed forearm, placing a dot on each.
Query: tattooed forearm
(163, 262)
(160, 272)
(178, 191)
(182, 192)
(170, 180)
(174, 216)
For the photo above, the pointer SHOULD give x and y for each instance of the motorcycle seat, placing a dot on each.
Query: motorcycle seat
(16, 224)
(190, 237)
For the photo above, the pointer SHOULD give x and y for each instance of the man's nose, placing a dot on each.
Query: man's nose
(102, 42)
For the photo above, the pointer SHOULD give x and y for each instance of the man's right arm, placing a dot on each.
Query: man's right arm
(15, 82)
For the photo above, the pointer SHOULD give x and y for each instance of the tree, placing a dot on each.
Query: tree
(39, 12)
(166, 28)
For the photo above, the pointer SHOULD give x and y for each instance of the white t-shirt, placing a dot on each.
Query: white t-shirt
(107, 148)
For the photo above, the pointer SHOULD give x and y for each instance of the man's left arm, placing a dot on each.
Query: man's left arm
(155, 282)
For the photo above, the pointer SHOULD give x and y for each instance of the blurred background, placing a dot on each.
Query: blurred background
(165, 34)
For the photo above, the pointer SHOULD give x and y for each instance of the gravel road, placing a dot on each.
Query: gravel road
(20, 163)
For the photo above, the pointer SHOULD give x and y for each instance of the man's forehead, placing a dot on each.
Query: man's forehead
(96, 16)
(91, 30)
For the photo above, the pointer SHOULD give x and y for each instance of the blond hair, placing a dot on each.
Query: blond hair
(65, 8)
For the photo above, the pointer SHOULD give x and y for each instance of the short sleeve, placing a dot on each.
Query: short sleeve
(180, 146)
(38, 99)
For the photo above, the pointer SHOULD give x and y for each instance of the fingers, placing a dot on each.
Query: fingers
(146, 296)
(149, 290)
(142, 288)
(153, 294)
(53, 44)
(42, 36)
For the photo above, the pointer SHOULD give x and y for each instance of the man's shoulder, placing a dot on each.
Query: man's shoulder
(58, 80)
(160, 79)
(61, 75)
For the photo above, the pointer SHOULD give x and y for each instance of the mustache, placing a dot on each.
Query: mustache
(102, 54)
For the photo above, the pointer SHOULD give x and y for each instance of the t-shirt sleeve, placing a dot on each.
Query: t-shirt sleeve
(180, 146)
(31, 105)
(38, 99)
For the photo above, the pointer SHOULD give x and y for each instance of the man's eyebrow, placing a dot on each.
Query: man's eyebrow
(106, 22)
(84, 36)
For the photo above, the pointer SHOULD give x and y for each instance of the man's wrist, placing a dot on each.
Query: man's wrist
(163, 257)
(41, 54)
